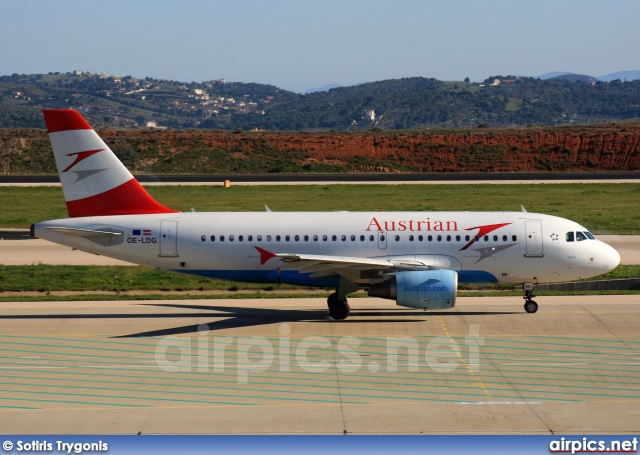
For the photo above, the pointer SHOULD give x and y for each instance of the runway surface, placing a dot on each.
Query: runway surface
(36, 251)
(282, 366)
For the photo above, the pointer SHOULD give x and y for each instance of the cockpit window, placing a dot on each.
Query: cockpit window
(580, 236)
(589, 236)
(570, 237)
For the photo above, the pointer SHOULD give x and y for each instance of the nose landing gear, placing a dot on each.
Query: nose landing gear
(530, 306)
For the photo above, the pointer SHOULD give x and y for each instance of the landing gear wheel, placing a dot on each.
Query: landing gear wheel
(338, 308)
(529, 305)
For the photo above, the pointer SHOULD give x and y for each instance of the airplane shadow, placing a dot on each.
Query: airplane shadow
(234, 318)
(239, 317)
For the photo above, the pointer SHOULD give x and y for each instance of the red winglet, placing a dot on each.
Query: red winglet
(264, 255)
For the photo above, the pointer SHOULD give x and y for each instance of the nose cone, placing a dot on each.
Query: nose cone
(609, 257)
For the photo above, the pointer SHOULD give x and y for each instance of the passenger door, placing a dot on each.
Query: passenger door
(533, 238)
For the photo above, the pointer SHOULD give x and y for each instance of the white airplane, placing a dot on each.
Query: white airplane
(414, 258)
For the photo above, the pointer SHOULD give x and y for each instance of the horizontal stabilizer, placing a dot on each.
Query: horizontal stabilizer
(104, 237)
(82, 232)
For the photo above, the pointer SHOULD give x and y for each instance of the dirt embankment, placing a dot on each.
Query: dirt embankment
(580, 148)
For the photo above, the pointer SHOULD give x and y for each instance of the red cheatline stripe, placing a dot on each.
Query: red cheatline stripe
(127, 199)
(64, 120)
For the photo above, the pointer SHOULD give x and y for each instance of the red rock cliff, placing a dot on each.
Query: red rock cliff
(579, 148)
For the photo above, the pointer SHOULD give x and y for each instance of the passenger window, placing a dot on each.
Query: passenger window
(259, 238)
(362, 238)
(213, 238)
(306, 238)
(268, 238)
(504, 238)
(277, 238)
(371, 238)
(324, 238)
(486, 238)
(580, 236)
(514, 238)
(382, 237)
(315, 238)
(448, 238)
(477, 238)
(249, 238)
(287, 237)
(457, 238)
(203, 238)
(297, 238)
(334, 237)
(222, 238)
(420, 238)
(495, 238)
(439, 238)
(240, 238)
(430, 238)
(467, 238)
(343, 237)
(353, 238)
(231, 238)
(397, 238)
(411, 238)
(570, 237)
(589, 236)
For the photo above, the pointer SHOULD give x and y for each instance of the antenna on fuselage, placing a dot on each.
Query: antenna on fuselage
(523, 209)
(266, 208)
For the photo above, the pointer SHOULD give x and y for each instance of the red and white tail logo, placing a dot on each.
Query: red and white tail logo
(93, 179)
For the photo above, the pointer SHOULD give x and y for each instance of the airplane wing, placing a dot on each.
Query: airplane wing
(326, 265)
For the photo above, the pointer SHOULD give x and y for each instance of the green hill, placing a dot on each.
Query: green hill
(409, 103)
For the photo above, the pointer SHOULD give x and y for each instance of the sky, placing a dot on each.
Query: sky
(300, 45)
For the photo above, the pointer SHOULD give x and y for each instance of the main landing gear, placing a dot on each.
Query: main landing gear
(529, 305)
(338, 306)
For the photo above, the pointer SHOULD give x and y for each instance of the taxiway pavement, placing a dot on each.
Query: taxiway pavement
(284, 367)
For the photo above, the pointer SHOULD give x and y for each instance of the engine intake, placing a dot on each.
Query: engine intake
(428, 289)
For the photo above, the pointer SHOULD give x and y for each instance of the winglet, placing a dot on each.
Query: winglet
(264, 255)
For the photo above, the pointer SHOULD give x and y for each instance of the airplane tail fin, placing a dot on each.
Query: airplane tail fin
(94, 181)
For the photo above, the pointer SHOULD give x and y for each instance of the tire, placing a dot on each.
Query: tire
(338, 309)
(531, 306)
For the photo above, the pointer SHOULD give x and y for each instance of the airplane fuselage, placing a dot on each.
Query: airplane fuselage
(482, 247)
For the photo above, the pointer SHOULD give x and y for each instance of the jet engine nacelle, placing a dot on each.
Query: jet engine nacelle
(428, 289)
